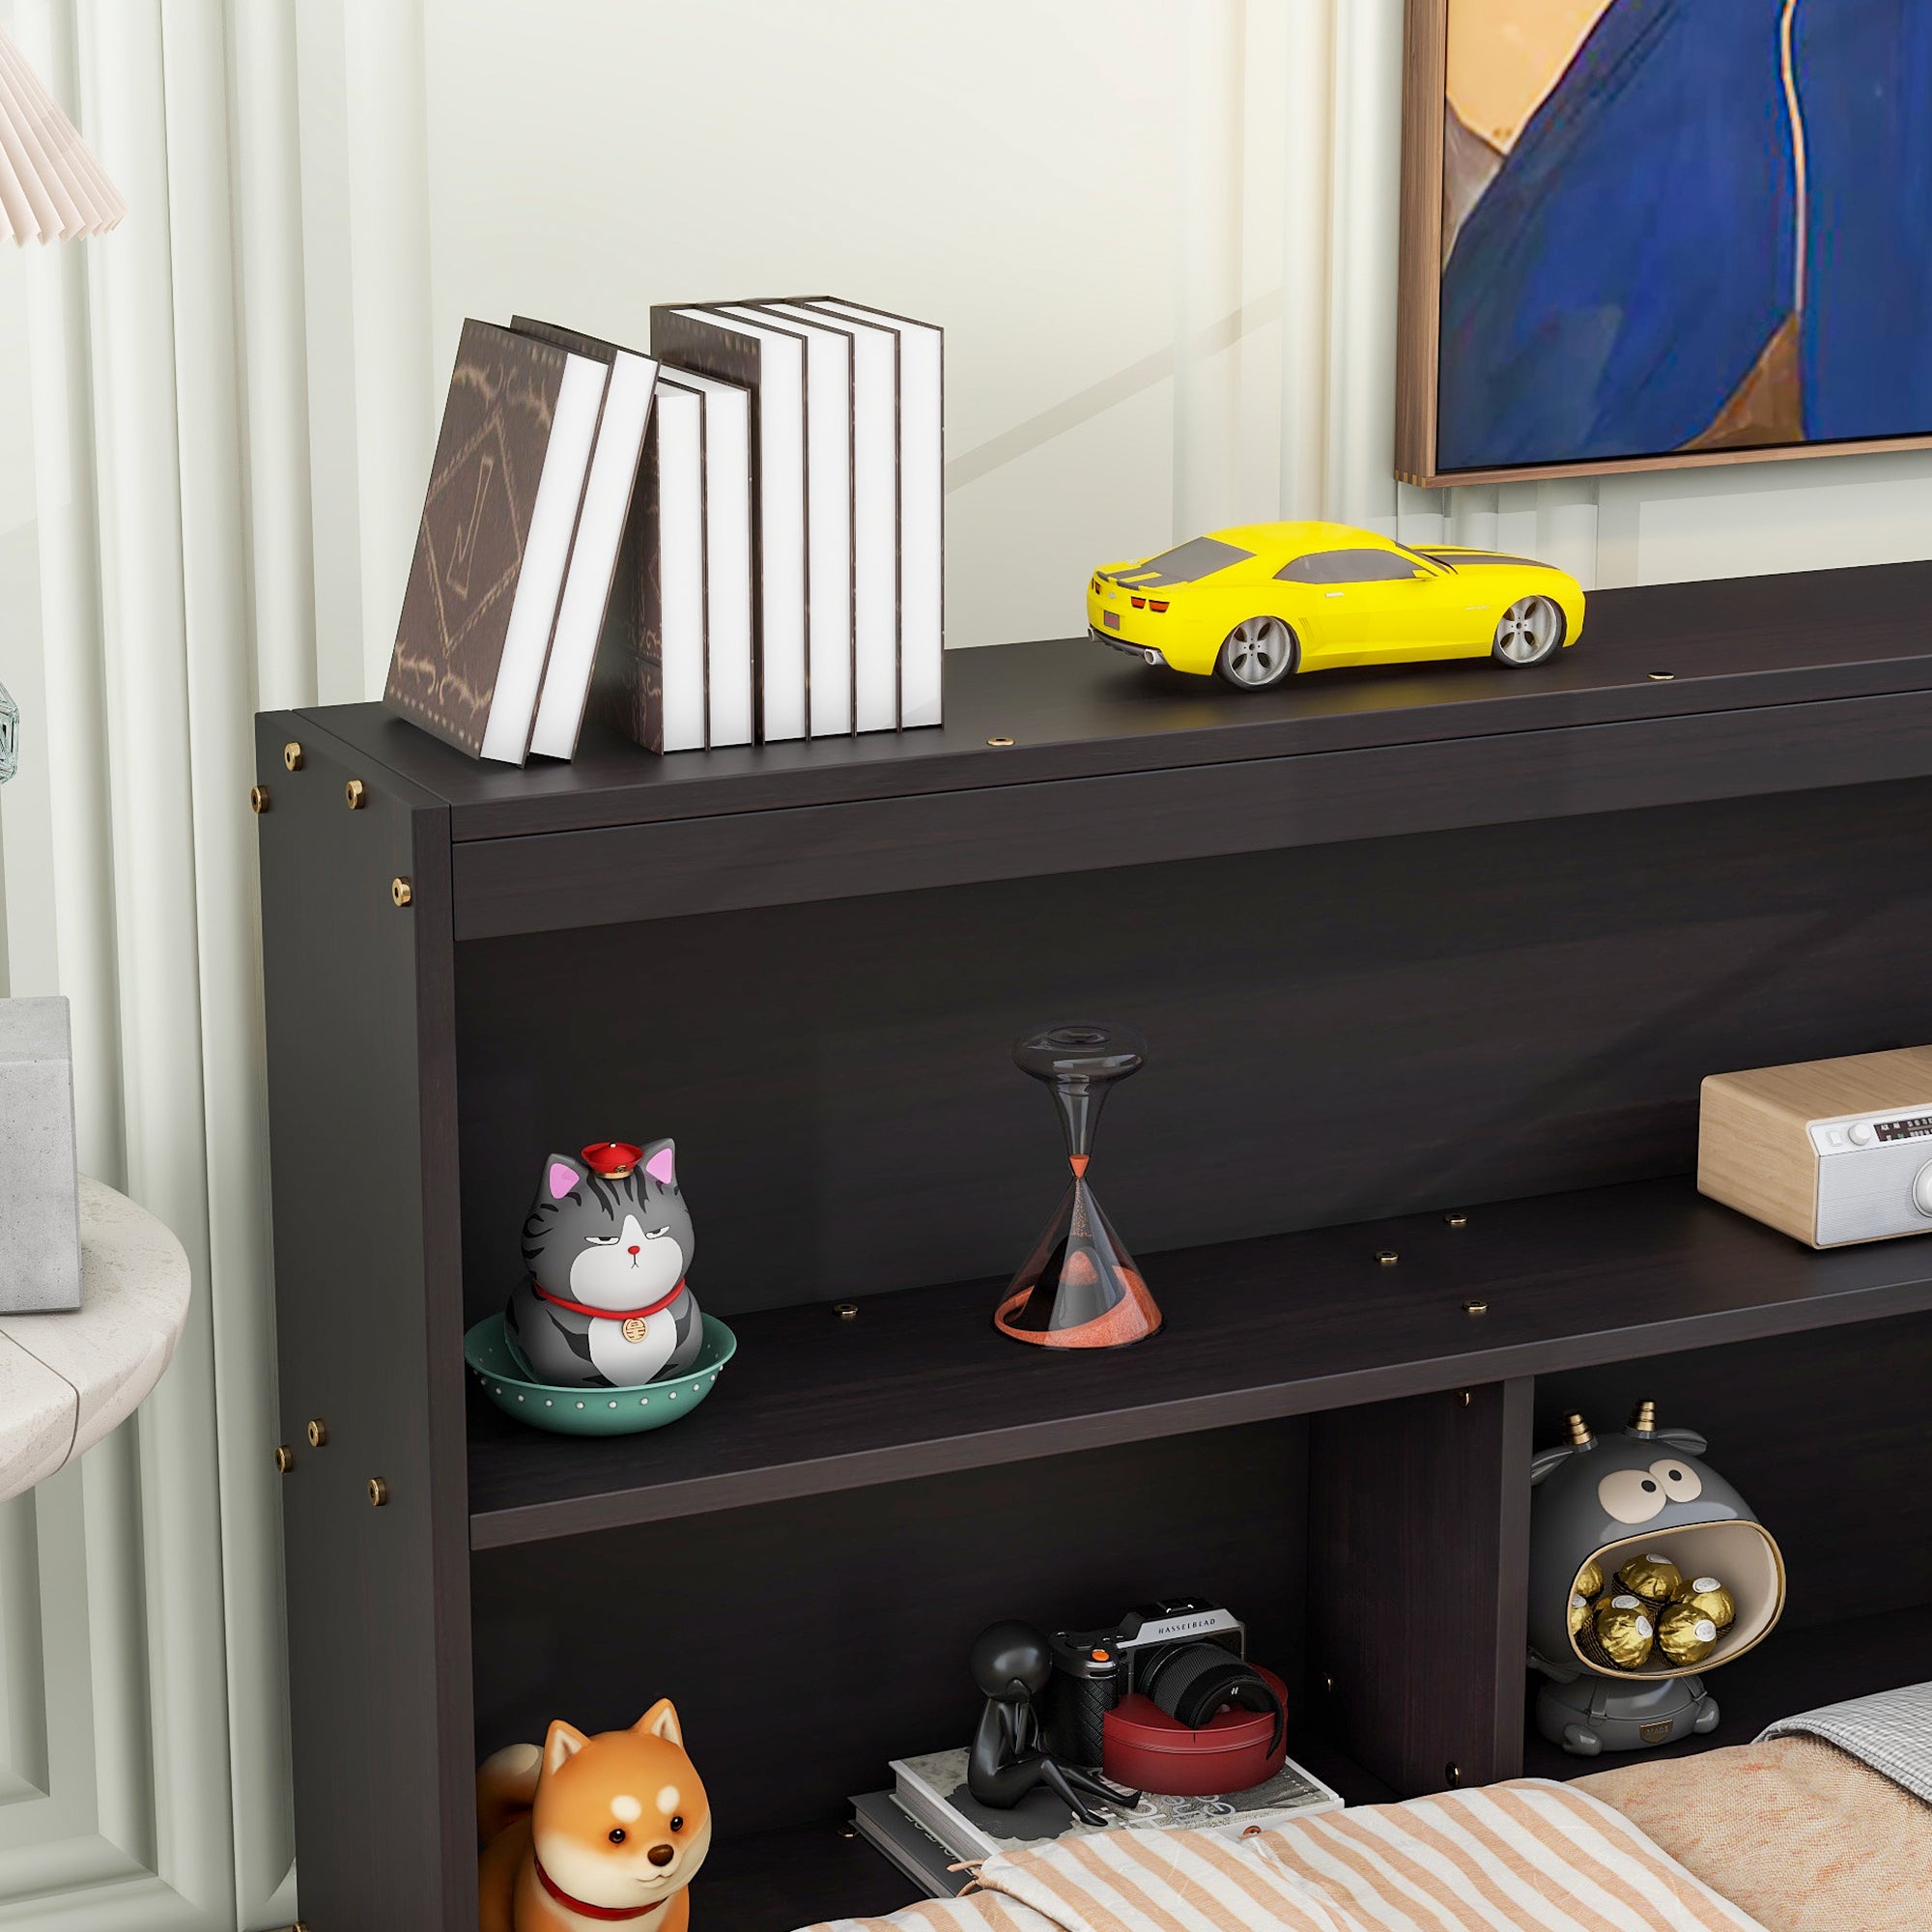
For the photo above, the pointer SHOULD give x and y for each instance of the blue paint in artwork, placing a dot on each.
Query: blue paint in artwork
(1864, 69)
(1637, 250)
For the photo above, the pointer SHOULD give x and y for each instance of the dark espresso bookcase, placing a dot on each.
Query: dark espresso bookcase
(1430, 961)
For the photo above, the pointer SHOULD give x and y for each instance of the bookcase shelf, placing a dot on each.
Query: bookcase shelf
(1076, 710)
(1449, 937)
(920, 1382)
(1773, 684)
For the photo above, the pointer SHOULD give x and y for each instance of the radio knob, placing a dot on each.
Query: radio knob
(1861, 1134)
(1922, 1191)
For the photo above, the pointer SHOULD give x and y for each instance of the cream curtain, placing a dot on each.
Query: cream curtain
(160, 586)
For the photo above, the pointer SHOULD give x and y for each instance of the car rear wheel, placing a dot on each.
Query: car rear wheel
(1528, 632)
(1258, 651)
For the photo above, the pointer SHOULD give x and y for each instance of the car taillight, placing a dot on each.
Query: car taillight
(1156, 607)
(1139, 603)
(1096, 586)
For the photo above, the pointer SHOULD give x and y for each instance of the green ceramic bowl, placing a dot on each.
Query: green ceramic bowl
(601, 1412)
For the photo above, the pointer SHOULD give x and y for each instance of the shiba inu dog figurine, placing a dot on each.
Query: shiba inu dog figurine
(591, 1831)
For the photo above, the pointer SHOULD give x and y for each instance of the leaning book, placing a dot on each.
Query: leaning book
(932, 1791)
(497, 526)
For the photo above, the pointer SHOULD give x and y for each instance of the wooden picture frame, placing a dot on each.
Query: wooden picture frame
(1419, 456)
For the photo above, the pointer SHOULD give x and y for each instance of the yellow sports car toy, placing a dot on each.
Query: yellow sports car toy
(1263, 600)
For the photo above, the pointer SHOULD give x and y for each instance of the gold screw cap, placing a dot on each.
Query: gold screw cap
(291, 755)
(401, 892)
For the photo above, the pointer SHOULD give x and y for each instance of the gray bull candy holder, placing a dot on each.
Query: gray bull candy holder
(1605, 1500)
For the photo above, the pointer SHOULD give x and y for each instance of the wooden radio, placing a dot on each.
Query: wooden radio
(1829, 1150)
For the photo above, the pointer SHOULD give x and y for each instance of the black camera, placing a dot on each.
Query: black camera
(1186, 1654)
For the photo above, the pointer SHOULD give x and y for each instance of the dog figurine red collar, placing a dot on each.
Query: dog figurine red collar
(592, 1830)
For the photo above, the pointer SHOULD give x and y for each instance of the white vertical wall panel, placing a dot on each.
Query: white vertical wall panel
(267, 215)
(143, 1762)
(147, 102)
(225, 1170)
(1365, 174)
(1208, 265)
(1304, 90)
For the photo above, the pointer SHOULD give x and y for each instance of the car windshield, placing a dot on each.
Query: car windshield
(1202, 557)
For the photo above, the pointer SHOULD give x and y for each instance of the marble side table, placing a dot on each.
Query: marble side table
(67, 1379)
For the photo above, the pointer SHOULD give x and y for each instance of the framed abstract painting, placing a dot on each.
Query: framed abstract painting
(1638, 234)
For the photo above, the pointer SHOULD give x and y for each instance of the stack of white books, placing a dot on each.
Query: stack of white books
(738, 538)
(846, 442)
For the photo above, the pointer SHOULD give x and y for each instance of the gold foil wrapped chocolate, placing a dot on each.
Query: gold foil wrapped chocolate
(1685, 1635)
(1590, 1579)
(1653, 1577)
(1709, 1597)
(1581, 1612)
(1624, 1632)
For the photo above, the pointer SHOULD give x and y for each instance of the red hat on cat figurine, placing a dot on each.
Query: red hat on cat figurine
(613, 1159)
(610, 1830)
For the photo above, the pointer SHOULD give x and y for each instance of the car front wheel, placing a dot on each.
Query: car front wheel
(1258, 652)
(1528, 632)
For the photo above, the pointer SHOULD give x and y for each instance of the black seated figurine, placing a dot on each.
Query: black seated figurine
(1011, 1665)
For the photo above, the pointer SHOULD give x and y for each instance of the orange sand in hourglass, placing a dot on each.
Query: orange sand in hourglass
(1079, 1287)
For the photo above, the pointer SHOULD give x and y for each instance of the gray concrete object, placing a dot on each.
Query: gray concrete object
(39, 1215)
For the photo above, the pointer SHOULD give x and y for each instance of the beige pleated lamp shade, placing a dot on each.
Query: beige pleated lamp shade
(51, 189)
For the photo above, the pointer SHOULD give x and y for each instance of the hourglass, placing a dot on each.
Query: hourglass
(1079, 1287)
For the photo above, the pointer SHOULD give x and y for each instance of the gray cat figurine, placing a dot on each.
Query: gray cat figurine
(607, 1242)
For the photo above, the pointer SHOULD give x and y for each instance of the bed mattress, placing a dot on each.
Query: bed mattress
(1823, 1824)
(1525, 1857)
(1798, 1832)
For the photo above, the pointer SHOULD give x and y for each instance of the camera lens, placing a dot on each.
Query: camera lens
(1194, 1680)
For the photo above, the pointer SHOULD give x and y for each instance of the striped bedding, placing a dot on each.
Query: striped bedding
(1525, 1857)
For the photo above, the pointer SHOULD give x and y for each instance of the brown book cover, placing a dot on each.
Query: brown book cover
(469, 545)
(626, 683)
(628, 691)
(710, 345)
